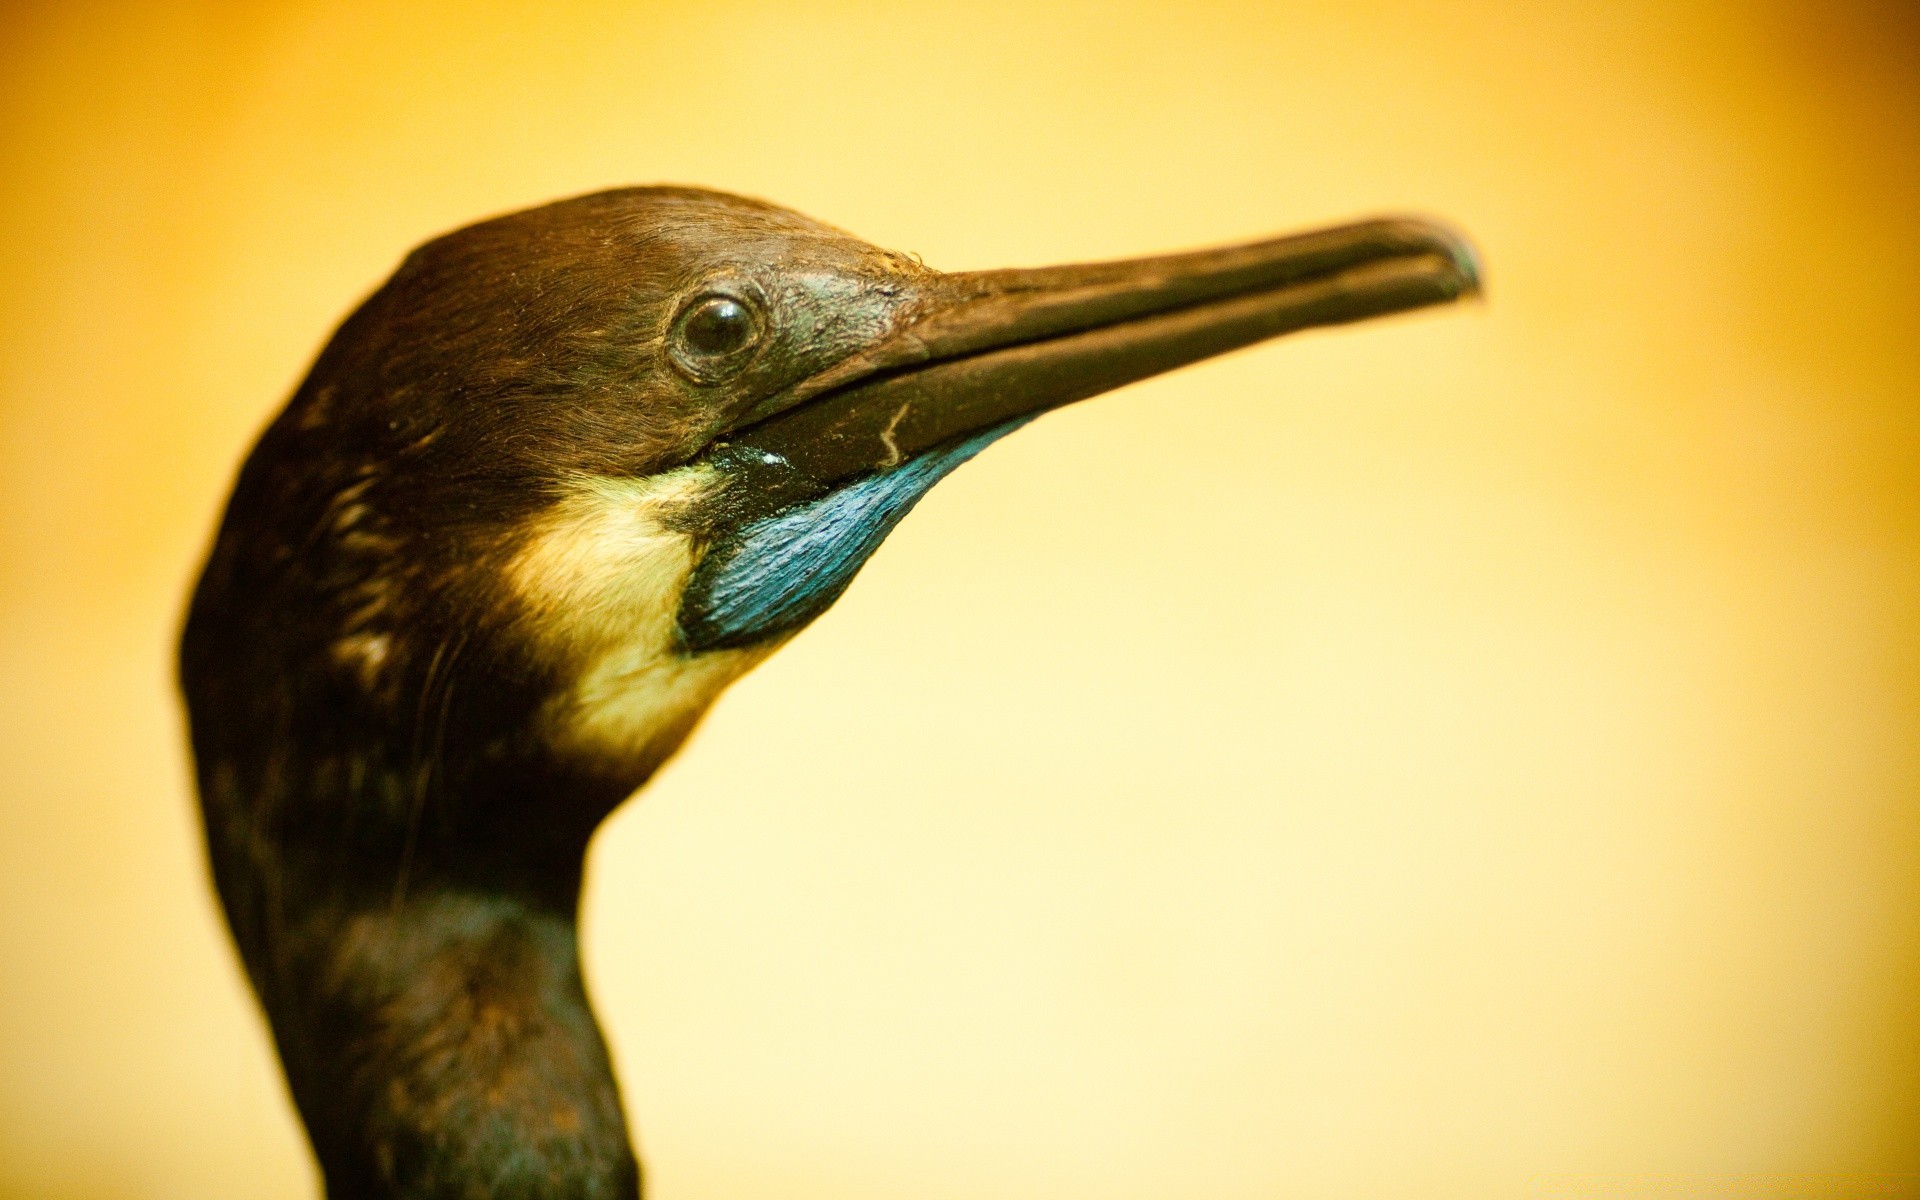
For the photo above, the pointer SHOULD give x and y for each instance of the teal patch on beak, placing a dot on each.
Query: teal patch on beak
(773, 575)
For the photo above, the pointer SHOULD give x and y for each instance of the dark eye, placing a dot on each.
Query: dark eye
(713, 334)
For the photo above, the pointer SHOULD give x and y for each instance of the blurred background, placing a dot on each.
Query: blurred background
(1471, 755)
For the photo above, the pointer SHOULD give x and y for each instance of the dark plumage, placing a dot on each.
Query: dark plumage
(561, 479)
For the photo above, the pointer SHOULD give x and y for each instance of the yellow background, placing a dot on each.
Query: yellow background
(1475, 755)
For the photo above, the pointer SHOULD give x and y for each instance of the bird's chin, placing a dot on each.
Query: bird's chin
(766, 577)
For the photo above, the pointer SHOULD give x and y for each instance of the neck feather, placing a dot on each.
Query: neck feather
(443, 1047)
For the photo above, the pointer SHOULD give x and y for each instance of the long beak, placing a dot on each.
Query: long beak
(995, 346)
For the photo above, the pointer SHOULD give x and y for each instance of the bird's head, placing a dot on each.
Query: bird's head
(572, 471)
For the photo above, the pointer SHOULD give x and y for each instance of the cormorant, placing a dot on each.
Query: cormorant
(559, 481)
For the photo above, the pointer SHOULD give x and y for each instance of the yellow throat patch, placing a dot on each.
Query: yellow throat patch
(599, 582)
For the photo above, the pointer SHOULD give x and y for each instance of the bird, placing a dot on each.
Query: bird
(567, 474)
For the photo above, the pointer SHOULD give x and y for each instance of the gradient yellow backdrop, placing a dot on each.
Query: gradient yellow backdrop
(1475, 755)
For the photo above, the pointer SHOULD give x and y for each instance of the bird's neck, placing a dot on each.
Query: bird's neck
(443, 1046)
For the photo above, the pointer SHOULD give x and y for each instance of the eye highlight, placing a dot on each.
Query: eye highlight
(714, 336)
